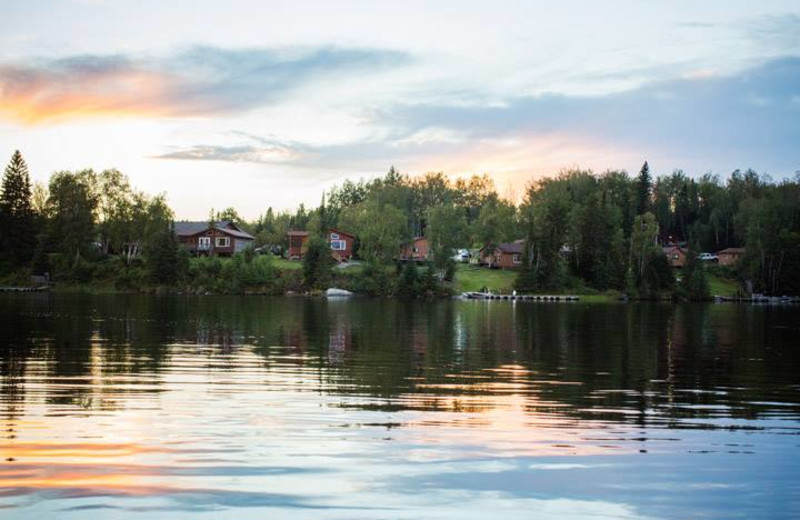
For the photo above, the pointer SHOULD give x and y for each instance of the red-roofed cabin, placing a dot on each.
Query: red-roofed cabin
(298, 244)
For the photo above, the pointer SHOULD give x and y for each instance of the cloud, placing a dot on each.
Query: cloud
(199, 81)
(699, 121)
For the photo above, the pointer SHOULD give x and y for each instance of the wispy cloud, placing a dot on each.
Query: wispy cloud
(703, 119)
(196, 82)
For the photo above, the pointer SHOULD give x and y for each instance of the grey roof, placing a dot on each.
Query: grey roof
(186, 229)
(514, 247)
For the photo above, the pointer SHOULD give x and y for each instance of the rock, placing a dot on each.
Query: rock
(333, 292)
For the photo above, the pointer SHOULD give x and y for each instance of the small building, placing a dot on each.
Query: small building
(416, 250)
(341, 244)
(298, 244)
(505, 256)
(224, 238)
(730, 256)
(676, 256)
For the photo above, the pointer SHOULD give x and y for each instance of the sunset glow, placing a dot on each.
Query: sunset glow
(248, 94)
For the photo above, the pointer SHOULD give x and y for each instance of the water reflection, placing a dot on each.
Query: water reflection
(225, 406)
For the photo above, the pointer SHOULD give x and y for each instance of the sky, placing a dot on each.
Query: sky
(255, 104)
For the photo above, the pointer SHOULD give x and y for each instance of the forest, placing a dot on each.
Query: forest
(582, 231)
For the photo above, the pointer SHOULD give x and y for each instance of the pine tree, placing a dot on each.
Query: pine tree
(644, 190)
(163, 259)
(18, 218)
(694, 284)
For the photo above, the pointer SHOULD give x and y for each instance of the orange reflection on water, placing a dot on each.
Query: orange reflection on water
(505, 416)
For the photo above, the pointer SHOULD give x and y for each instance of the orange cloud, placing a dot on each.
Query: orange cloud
(109, 93)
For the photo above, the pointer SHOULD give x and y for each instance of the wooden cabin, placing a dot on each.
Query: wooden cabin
(676, 256)
(298, 244)
(417, 250)
(505, 256)
(225, 238)
(341, 244)
(730, 256)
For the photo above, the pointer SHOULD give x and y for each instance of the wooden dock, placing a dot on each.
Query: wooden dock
(521, 297)
(41, 288)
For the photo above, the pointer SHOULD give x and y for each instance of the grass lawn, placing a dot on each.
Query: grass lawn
(287, 265)
(721, 286)
(473, 278)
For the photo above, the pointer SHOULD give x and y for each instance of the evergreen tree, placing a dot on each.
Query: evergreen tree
(17, 218)
(409, 279)
(163, 259)
(644, 190)
(694, 283)
(317, 264)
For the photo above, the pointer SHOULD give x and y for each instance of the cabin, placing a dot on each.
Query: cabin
(676, 256)
(224, 238)
(504, 256)
(298, 244)
(730, 256)
(416, 250)
(341, 244)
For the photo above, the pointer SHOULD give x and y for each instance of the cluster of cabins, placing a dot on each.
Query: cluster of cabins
(677, 255)
(226, 238)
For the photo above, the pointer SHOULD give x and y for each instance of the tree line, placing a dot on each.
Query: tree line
(580, 229)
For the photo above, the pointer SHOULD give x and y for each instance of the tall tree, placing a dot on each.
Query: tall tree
(71, 207)
(17, 216)
(644, 190)
(446, 230)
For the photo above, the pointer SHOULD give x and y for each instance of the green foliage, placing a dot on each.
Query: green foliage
(380, 229)
(162, 259)
(650, 271)
(694, 282)
(317, 264)
(644, 187)
(71, 209)
(446, 232)
(374, 280)
(408, 284)
(17, 218)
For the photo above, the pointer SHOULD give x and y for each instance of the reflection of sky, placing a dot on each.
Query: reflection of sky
(285, 100)
(227, 436)
(119, 407)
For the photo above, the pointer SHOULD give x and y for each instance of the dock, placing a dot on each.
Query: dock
(41, 288)
(521, 297)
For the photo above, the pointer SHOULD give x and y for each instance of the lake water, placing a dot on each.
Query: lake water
(246, 407)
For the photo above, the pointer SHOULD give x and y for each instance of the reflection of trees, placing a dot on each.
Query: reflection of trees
(636, 363)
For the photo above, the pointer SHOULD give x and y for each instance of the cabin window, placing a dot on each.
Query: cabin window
(334, 236)
(204, 243)
(223, 242)
(516, 258)
(338, 245)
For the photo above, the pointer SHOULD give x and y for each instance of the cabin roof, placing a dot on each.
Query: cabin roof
(513, 248)
(187, 228)
(732, 251)
(340, 232)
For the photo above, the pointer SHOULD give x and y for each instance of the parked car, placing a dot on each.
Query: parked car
(708, 257)
(462, 255)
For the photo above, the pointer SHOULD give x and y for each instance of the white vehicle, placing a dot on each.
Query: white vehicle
(462, 255)
(708, 257)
